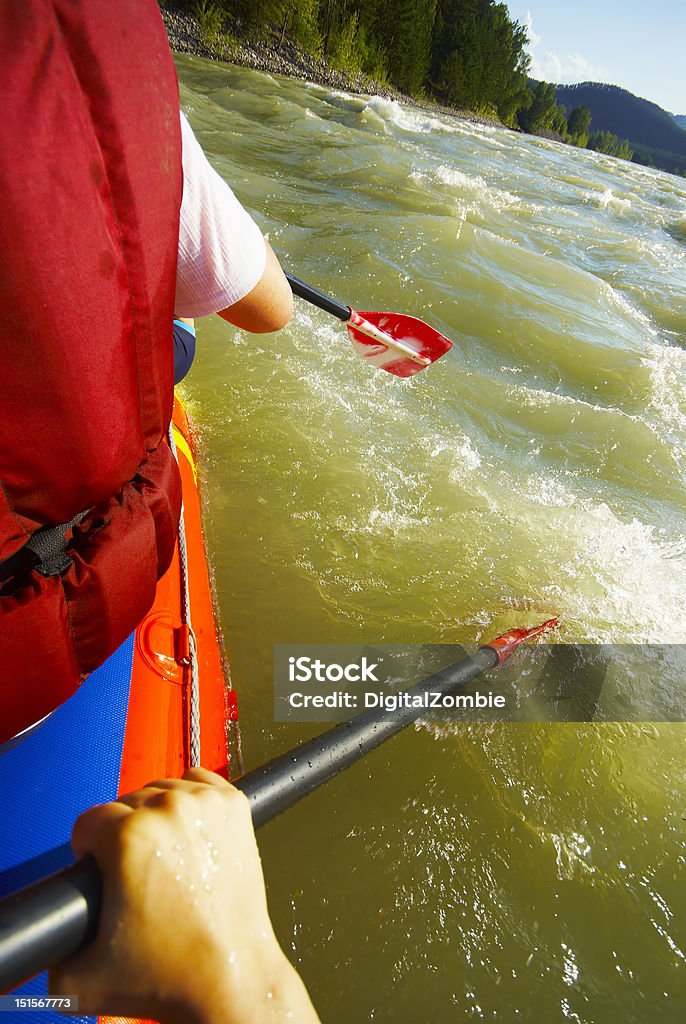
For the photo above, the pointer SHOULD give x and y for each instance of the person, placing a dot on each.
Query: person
(185, 935)
(90, 493)
(89, 490)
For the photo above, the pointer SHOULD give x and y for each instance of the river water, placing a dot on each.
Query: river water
(526, 872)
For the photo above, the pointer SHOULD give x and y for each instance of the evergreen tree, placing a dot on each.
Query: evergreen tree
(542, 114)
(607, 142)
(559, 122)
(579, 125)
(478, 60)
(305, 25)
(409, 43)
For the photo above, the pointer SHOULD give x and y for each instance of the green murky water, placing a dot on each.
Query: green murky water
(512, 872)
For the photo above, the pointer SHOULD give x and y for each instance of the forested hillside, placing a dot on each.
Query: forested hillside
(653, 134)
(467, 54)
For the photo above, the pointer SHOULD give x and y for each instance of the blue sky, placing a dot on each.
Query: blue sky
(637, 45)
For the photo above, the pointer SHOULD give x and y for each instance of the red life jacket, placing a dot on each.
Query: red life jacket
(90, 192)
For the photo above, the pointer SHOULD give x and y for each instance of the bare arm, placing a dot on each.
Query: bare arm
(268, 307)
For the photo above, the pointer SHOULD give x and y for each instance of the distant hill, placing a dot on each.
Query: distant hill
(680, 120)
(655, 135)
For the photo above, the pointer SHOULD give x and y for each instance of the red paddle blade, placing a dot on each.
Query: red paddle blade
(399, 344)
(508, 643)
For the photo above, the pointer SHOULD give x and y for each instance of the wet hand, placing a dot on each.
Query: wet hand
(185, 934)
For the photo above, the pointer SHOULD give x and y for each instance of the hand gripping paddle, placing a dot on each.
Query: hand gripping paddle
(53, 918)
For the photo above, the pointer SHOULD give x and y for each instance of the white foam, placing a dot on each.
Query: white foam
(609, 200)
(627, 308)
(626, 582)
(667, 366)
(548, 491)
(471, 187)
(468, 456)
(403, 117)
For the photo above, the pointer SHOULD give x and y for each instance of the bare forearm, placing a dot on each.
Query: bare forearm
(268, 307)
(276, 996)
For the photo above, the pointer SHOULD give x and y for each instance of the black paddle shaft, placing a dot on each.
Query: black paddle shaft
(48, 921)
(284, 781)
(317, 298)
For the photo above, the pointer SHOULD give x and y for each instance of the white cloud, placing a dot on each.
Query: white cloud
(551, 67)
(529, 25)
(572, 67)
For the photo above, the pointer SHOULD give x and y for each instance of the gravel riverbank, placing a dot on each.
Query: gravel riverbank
(185, 36)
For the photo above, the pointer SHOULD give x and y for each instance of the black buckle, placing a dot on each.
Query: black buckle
(45, 552)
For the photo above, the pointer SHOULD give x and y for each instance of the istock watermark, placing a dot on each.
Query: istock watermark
(306, 669)
(542, 683)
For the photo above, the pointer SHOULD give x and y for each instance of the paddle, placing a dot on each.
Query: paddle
(48, 921)
(399, 344)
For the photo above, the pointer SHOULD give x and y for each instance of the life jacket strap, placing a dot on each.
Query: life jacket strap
(45, 552)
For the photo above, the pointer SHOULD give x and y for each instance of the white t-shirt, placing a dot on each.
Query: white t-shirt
(222, 253)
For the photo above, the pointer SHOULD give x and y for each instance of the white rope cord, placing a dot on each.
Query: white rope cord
(186, 619)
